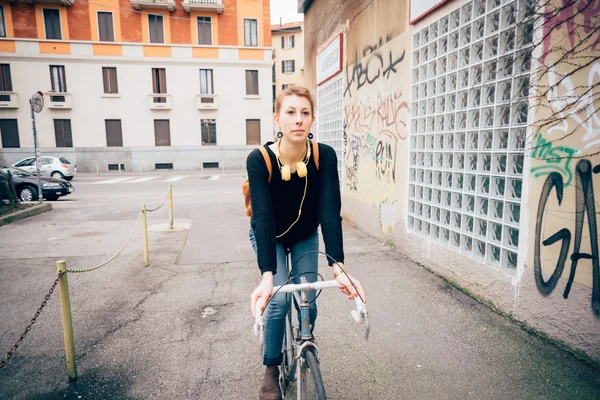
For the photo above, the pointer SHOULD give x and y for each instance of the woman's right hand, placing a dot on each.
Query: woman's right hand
(262, 293)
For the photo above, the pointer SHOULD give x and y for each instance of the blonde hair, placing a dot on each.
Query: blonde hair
(294, 90)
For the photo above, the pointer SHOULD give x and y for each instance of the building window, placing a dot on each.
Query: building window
(10, 133)
(52, 23)
(252, 131)
(162, 132)
(206, 81)
(106, 31)
(284, 86)
(209, 132)
(114, 134)
(2, 23)
(159, 83)
(330, 125)
(250, 32)
(5, 81)
(155, 27)
(468, 131)
(287, 42)
(252, 83)
(274, 95)
(109, 77)
(62, 132)
(274, 76)
(204, 30)
(58, 81)
(288, 66)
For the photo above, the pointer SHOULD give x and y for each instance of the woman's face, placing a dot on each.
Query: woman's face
(295, 118)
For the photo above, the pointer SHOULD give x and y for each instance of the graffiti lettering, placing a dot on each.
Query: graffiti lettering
(575, 105)
(556, 159)
(369, 49)
(564, 15)
(374, 67)
(585, 206)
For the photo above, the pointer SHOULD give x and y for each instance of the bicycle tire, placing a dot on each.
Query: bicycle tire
(288, 364)
(312, 381)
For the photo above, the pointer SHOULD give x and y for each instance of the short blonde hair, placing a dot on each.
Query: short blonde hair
(294, 90)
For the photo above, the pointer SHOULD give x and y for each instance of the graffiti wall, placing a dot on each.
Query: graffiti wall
(564, 180)
(376, 112)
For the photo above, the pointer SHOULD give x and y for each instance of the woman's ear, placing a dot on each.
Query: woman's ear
(276, 118)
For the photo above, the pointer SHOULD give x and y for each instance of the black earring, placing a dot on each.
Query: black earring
(279, 134)
(310, 135)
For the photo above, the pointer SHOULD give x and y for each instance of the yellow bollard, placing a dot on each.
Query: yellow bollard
(65, 309)
(170, 206)
(145, 231)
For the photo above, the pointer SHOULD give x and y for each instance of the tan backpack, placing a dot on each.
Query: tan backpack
(263, 150)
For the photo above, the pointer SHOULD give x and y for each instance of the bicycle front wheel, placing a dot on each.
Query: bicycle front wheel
(311, 380)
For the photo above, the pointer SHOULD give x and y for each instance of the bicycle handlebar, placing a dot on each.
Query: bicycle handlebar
(359, 315)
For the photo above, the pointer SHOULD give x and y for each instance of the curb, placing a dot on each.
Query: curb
(22, 214)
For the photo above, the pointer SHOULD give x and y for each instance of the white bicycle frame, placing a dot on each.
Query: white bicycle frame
(359, 315)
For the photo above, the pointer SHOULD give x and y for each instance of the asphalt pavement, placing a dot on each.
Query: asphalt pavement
(181, 328)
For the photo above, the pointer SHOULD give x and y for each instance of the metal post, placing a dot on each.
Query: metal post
(170, 206)
(65, 310)
(145, 231)
(37, 156)
(119, 166)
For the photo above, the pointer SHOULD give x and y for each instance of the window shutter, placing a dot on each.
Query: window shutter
(283, 42)
(293, 65)
(283, 67)
(292, 39)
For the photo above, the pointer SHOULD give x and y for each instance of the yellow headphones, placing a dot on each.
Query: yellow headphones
(286, 173)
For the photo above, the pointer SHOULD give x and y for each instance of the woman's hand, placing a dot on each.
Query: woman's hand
(262, 293)
(346, 286)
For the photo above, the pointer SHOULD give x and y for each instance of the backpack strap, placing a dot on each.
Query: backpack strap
(315, 152)
(263, 150)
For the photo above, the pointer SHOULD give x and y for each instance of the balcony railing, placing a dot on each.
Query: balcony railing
(67, 3)
(203, 5)
(58, 100)
(156, 4)
(8, 100)
(160, 101)
(207, 101)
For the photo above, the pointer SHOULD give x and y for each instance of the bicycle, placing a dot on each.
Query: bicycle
(300, 353)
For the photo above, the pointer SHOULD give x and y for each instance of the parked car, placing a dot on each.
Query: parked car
(27, 188)
(56, 167)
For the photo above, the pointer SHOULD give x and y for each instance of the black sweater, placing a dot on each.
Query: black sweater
(275, 205)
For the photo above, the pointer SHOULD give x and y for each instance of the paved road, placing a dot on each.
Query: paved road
(180, 329)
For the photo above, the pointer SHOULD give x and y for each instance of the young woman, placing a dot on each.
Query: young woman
(286, 212)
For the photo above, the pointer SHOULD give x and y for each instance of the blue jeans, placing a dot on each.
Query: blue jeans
(280, 303)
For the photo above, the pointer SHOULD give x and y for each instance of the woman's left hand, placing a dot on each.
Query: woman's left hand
(348, 289)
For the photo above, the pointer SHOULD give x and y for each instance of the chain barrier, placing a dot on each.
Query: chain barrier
(113, 257)
(60, 274)
(159, 207)
(37, 314)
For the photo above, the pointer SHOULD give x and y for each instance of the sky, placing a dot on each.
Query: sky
(286, 9)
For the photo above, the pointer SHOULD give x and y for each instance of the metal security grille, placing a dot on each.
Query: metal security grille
(470, 79)
(330, 123)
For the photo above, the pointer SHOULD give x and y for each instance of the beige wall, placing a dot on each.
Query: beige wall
(296, 53)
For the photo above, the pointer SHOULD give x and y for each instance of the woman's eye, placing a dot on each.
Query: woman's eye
(290, 112)
(306, 113)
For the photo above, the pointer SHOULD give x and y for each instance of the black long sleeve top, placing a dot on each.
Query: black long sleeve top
(275, 205)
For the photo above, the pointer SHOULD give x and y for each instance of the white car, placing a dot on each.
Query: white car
(56, 167)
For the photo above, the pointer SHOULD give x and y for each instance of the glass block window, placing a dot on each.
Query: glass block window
(330, 118)
(470, 79)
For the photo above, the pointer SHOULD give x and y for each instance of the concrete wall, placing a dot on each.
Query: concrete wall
(381, 129)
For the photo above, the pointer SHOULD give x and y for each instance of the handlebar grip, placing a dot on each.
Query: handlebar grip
(357, 317)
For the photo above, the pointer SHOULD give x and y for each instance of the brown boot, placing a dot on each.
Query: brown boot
(269, 390)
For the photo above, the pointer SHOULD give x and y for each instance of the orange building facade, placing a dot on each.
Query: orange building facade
(202, 65)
